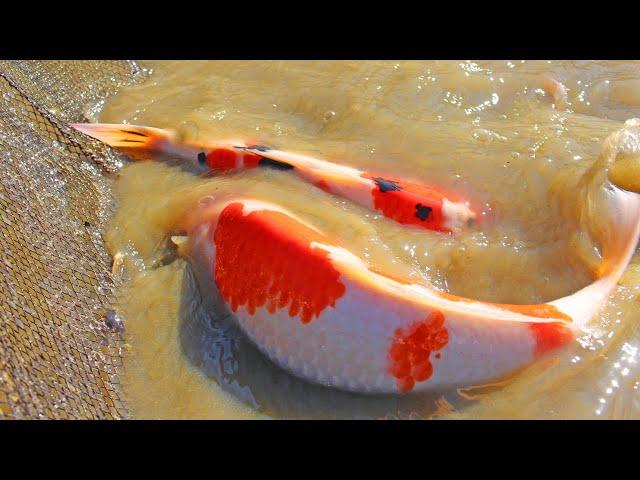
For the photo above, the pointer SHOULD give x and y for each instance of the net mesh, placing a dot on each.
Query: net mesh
(58, 356)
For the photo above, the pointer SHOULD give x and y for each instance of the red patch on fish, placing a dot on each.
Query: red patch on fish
(408, 203)
(225, 159)
(549, 336)
(323, 185)
(222, 159)
(251, 160)
(265, 259)
(411, 348)
(542, 310)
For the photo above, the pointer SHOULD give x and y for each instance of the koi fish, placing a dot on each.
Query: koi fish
(555, 90)
(317, 310)
(406, 202)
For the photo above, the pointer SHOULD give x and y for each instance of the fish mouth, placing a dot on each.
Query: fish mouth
(457, 215)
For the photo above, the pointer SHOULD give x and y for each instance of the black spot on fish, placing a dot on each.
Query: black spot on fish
(386, 185)
(260, 148)
(87, 224)
(423, 212)
(267, 162)
(202, 158)
(134, 133)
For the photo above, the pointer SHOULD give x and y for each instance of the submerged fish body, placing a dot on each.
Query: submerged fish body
(406, 202)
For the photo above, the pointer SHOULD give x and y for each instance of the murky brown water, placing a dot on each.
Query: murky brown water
(486, 129)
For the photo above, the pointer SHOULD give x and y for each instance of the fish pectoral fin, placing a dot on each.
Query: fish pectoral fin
(180, 241)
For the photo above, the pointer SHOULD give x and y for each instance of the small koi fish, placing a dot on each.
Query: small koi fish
(555, 89)
(406, 202)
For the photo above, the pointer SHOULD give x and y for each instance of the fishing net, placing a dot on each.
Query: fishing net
(59, 354)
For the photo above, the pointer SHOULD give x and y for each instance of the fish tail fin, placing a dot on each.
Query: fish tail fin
(138, 141)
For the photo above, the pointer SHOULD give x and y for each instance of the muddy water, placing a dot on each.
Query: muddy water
(501, 133)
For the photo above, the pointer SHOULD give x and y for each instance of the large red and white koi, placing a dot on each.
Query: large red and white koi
(404, 201)
(317, 310)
